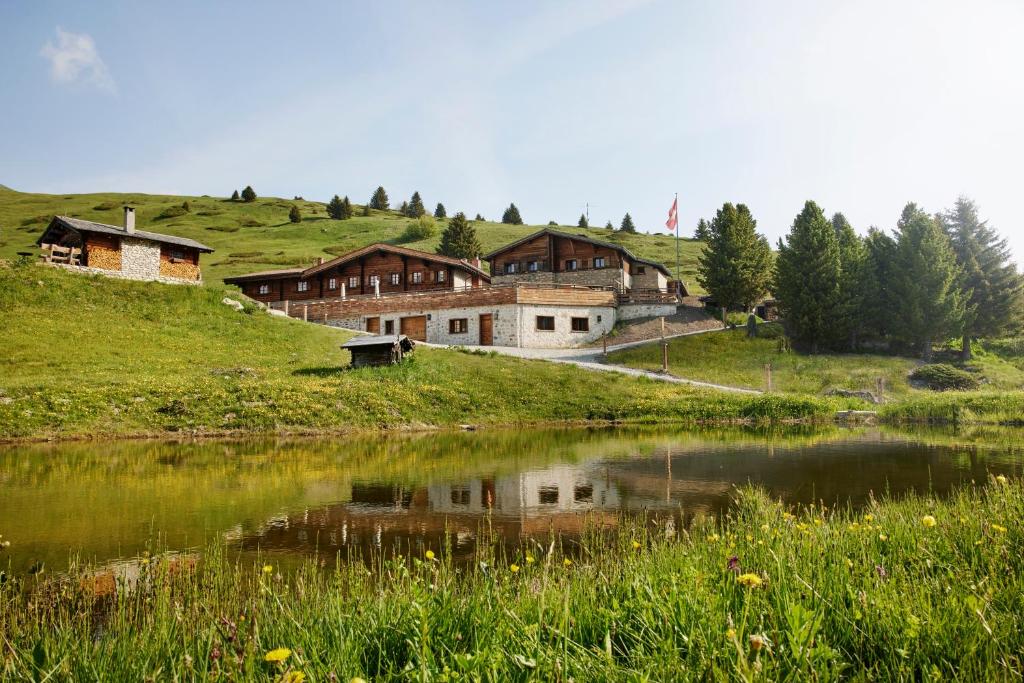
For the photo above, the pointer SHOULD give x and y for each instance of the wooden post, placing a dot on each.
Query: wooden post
(604, 346)
(662, 329)
(664, 357)
(286, 307)
(305, 313)
(768, 375)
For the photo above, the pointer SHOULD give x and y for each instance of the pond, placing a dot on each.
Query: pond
(102, 502)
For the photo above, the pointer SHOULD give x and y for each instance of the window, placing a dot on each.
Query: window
(332, 283)
(598, 318)
(389, 327)
(302, 286)
(548, 495)
(178, 254)
(264, 289)
(511, 268)
(599, 261)
(533, 266)
(353, 282)
(417, 277)
(546, 322)
(581, 324)
(583, 493)
(439, 276)
(460, 495)
(458, 326)
(570, 264)
(373, 280)
(396, 278)
(640, 270)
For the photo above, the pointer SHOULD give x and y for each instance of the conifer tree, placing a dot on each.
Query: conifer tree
(924, 282)
(248, 194)
(366, 209)
(379, 200)
(234, 196)
(609, 226)
(735, 267)
(346, 208)
(294, 215)
(404, 208)
(335, 208)
(627, 224)
(703, 230)
(879, 256)
(439, 212)
(990, 282)
(850, 314)
(583, 221)
(511, 215)
(459, 239)
(479, 218)
(807, 279)
(415, 209)
(185, 207)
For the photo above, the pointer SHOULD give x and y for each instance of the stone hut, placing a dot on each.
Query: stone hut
(121, 251)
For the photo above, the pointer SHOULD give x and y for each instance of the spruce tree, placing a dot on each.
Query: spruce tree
(609, 226)
(335, 208)
(924, 282)
(703, 230)
(404, 208)
(990, 281)
(583, 221)
(511, 215)
(379, 200)
(879, 257)
(248, 194)
(234, 196)
(479, 218)
(294, 215)
(735, 267)
(366, 209)
(807, 279)
(627, 224)
(346, 208)
(415, 208)
(850, 318)
(459, 239)
(439, 212)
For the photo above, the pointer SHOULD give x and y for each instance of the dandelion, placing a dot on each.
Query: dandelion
(277, 655)
(869, 517)
(883, 538)
(636, 545)
(1001, 479)
(849, 563)
(998, 527)
(529, 559)
(567, 562)
(730, 633)
(928, 521)
(294, 677)
(713, 538)
(749, 580)
(749, 538)
(267, 568)
(513, 568)
(757, 642)
(429, 555)
(819, 521)
(788, 516)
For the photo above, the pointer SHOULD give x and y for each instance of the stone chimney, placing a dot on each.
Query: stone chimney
(319, 260)
(129, 220)
(476, 262)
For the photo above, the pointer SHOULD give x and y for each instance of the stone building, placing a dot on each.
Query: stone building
(121, 252)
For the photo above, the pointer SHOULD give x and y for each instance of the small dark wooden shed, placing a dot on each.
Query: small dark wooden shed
(383, 349)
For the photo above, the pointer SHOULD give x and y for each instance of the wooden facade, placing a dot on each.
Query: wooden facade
(382, 268)
(550, 251)
(378, 350)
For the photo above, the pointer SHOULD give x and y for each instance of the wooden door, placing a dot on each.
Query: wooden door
(415, 327)
(373, 325)
(486, 329)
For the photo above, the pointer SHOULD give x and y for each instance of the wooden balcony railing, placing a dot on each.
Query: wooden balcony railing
(53, 253)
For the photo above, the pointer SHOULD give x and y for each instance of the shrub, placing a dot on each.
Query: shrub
(294, 215)
(248, 194)
(105, 206)
(224, 228)
(422, 228)
(250, 223)
(943, 377)
(172, 212)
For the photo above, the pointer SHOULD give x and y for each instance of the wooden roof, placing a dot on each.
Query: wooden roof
(79, 225)
(581, 238)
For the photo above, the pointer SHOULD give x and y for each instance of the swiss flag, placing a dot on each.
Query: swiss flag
(673, 216)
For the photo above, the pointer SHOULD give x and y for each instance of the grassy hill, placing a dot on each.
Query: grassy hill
(258, 235)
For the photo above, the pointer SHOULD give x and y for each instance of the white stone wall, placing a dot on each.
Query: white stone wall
(634, 311)
(121, 275)
(602, 319)
(140, 259)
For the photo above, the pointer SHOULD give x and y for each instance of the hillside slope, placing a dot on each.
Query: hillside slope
(258, 235)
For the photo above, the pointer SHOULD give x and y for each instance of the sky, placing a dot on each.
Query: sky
(613, 104)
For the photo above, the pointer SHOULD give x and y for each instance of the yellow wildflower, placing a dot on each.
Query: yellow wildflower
(749, 580)
(730, 633)
(854, 526)
(749, 538)
(278, 655)
(267, 568)
(529, 559)
(849, 563)
(636, 545)
(294, 677)
(513, 568)
(1001, 479)
(713, 538)
(429, 554)
(998, 527)
(883, 537)
(819, 522)
(928, 521)
(788, 516)
(567, 562)
(869, 517)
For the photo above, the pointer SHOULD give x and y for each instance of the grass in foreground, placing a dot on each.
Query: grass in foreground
(915, 589)
(89, 356)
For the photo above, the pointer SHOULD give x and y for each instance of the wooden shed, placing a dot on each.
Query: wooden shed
(382, 349)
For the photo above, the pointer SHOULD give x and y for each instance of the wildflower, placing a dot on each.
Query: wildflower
(513, 568)
(278, 655)
(849, 563)
(429, 554)
(883, 537)
(869, 517)
(730, 633)
(788, 516)
(267, 568)
(713, 538)
(734, 564)
(749, 538)
(854, 526)
(818, 521)
(529, 559)
(757, 642)
(567, 562)
(636, 545)
(1001, 479)
(749, 580)
(998, 527)
(928, 521)
(765, 527)
(294, 677)
(880, 570)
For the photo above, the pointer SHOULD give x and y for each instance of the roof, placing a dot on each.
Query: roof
(266, 275)
(89, 226)
(374, 340)
(581, 238)
(404, 251)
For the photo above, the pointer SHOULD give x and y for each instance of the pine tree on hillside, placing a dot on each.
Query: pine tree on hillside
(511, 215)
(459, 239)
(924, 282)
(234, 196)
(583, 221)
(850, 319)
(609, 226)
(735, 267)
(879, 257)
(807, 279)
(346, 208)
(294, 215)
(480, 218)
(379, 200)
(627, 224)
(366, 209)
(404, 208)
(335, 208)
(248, 194)
(439, 212)
(703, 230)
(415, 208)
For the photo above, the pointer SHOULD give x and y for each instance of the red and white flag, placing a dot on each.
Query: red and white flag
(673, 216)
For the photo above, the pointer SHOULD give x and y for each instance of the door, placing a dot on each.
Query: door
(415, 327)
(486, 329)
(373, 325)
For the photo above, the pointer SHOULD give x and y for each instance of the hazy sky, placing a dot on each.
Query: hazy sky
(861, 106)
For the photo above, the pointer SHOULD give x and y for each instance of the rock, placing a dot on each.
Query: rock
(228, 301)
(862, 395)
(274, 311)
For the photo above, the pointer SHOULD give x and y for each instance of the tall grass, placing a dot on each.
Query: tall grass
(913, 589)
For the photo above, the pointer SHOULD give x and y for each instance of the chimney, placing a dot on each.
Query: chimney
(319, 260)
(129, 220)
(476, 262)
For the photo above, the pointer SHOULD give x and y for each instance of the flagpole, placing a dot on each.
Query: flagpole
(679, 287)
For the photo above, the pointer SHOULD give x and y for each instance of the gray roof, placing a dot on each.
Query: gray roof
(373, 340)
(581, 238)
(89, 226)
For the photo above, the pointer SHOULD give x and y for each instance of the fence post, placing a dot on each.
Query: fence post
(664, 356)
(305, 313)
(286, 307)
(768, 375)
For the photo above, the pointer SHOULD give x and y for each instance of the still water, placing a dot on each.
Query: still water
(101, 502)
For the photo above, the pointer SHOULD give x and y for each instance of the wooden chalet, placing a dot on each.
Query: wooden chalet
(371, 350)
(377, 269)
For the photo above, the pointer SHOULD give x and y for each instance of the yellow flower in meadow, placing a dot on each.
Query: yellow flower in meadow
(429, 554)
(819, 522)
(357, 679)
(713, 538)
(928, 521)
(854, 526)
(869, 517)
(267, 568)
(1000, 479)
(765, 527)
(749, 538)
(788, 516)
(294, 677)
(567, 562)
(998, 527)
(849, 563)
(278, 655)
(636, 545)
(730, 633)
(883, 537)
(749, 580)
(513, 568)
(529, 559)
